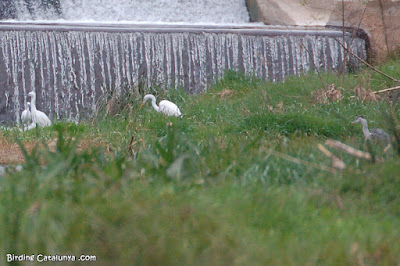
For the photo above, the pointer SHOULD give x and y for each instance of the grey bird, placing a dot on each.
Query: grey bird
(375, 134)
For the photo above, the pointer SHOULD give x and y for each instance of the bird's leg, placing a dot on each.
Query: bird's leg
(365, 144)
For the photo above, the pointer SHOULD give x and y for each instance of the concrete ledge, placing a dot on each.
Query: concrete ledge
(71, 66)
(261, 30)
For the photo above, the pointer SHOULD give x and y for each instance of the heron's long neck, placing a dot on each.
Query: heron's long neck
(33, 108)
(366, 132)
(154, 104)
(33, 102)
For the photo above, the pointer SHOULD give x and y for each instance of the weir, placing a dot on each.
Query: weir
(72, 65)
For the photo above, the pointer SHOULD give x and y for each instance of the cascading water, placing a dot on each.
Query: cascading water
(72, 64)
(187, 11)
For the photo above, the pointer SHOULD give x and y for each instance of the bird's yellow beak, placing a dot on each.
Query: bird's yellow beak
(141, 106)
(355, 121)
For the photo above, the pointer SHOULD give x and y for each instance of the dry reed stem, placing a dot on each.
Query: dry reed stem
(366, 95)
(387, 90)
(336, 162)
(226, 93)
(332, 94)
(350, 150)
(366, 63)
(299, 161)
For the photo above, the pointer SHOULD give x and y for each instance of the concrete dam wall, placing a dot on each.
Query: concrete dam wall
(71, 66)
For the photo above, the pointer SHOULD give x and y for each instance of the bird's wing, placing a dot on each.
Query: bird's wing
(25, 116)
(380, 133)
(42, 119)
(169, 108)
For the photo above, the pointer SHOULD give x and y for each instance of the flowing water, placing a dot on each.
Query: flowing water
(71, 64)
(187, 11)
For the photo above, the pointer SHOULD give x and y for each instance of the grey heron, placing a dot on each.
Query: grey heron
(374, 134)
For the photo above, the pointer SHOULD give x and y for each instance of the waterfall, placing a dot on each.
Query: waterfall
(72, 52)
(71, 67)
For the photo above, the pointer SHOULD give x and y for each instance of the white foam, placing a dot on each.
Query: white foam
(159, 11)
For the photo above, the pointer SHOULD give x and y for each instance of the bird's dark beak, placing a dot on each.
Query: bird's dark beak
(141, 106)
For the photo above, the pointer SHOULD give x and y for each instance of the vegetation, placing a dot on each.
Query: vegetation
(238, 180)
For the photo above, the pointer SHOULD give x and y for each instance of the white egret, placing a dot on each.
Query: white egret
(375, 134)
(166, 107)
(26, 115)
(38, 118)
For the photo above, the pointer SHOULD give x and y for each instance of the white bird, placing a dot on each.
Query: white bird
(375, 134)
(38, 118)
(166, 107)
(26, 115)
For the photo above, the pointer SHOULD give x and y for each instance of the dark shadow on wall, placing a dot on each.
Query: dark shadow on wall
(8, 7)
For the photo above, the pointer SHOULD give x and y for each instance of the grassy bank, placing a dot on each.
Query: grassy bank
(238, 180)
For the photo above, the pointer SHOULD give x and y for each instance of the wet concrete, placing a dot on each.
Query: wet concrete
(72, 65)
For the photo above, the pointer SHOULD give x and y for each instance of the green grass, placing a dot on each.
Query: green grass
(235, 181)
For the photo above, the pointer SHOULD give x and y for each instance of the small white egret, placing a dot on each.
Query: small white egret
(166, 107)
(375, 134)
(26, 115)
(38, 118)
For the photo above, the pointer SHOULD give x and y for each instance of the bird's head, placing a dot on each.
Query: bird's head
(358, 119)
(146, 98)
(32, 94)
